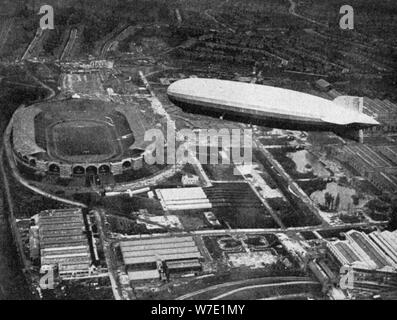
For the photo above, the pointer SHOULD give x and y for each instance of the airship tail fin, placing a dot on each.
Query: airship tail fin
(354, 104)
(350, 102)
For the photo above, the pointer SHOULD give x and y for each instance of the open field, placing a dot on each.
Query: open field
(92, 140)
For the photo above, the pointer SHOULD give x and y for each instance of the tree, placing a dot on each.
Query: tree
(393, 214)
(378, 205)
(337, 202)
(328, 200)
(356, 200)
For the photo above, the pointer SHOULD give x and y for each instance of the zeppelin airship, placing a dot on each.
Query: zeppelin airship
(270, 106)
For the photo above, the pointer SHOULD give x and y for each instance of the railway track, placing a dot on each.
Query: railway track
(242, 282)
(73, 35)
(4, 32)
(111, 40)
(33, 44)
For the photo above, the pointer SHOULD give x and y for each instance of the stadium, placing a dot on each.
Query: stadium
(78, 137)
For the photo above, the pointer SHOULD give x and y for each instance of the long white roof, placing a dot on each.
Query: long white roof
(275, 100)
(24, 132)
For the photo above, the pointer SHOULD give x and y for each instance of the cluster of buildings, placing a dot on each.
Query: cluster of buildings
(363, 264)
(232, 48)
(384, 111)
(378, 164)
(158, 257)
(267, 49)
(59, 240)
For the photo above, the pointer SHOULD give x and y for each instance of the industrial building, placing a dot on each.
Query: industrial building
(183, 199)
(384, 111)
(376, 251)
(368, 250)
(63, 242)
(150, 258)
(323, 85)
(387, 241)
(377, 164)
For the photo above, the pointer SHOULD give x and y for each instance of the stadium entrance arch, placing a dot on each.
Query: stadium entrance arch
(91, 170)
(54, 168)
(126, 165)
(78, 170)
(104, 169)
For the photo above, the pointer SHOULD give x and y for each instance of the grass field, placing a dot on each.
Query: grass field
(73, 140)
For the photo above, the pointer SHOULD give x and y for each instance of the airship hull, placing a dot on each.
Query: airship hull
(264, 105)
(264, 119)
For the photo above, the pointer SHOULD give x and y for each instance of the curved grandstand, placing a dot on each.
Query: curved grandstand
(79, 137)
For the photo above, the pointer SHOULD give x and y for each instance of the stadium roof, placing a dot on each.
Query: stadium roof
(261, 98)
(24, 133)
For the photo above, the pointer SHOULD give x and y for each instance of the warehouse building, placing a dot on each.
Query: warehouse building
(377, 251)
(387, 241)
(383, 111)
(149, 258)
(183, 199)
(343, 252)
(377, 164)
(63, 243)
(368, 250)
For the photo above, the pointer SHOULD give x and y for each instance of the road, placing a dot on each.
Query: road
(12, 281)
(269, 209)
(69, 45)
(12, 260)
(292, 10)
(288, 297)
(254, 231)
(211, 17)
(32, 45)
(242, 282)
(5, 30)
(288, 183)
(8, 152)
(99, 217)
(159, 108)
(113, 39)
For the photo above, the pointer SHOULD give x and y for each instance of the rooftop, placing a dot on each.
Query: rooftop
(183, 198)
(62, 240)
(165, 249)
